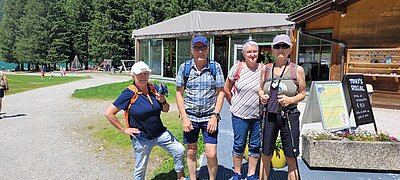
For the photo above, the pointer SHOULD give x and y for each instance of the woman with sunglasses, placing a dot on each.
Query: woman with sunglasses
(282, 87)
(241, 91)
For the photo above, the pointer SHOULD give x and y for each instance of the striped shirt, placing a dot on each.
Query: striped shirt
(245, 102)
(200, 91)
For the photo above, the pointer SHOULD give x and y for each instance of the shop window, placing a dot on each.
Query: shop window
(315, 57)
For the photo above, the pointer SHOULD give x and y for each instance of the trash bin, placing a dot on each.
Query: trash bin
(113, 70)
(370, 91)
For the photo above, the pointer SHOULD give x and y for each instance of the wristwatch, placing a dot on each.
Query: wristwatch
(217, 115)
(164, 103)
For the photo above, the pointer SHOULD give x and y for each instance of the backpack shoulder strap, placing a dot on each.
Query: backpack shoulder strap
(186, 71)
(293, 69)
(152, 88)
(236, 76)
(213, 69)
(136, 93)
(268, 68)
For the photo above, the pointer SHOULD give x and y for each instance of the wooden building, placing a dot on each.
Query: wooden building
(353, 36)
(166, 45)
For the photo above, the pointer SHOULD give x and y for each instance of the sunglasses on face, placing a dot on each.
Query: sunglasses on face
(281, 46)
(199, 48)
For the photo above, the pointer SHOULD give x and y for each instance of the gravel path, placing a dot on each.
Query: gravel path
(48, 143)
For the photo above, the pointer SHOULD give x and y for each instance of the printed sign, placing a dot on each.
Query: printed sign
(326, 103)
(358, 96)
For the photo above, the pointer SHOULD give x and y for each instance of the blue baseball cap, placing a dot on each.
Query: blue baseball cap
(201, 39)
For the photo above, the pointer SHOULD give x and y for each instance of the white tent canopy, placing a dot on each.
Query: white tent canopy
(76, 64)
(201, 21)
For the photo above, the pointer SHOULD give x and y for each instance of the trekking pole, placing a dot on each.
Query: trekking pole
(262, 124)
(294, 150)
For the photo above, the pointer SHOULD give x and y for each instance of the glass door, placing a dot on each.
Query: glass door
(237, 53)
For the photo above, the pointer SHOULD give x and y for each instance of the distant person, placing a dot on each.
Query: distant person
(282, 87)
(241, 92)
(3, 87)
(144, 125)
(61, 71)
(2, 67)
(199, 97)
(51, 74)
(41, 74)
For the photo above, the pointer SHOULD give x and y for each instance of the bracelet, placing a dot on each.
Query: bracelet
(164, 103)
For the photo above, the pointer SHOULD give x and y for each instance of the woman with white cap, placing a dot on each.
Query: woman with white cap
(143, 106)
(282, 86)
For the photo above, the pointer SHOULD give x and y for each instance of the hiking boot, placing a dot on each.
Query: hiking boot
(252, 177)
(236, 176)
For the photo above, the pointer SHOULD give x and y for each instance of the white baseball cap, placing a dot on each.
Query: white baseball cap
(282, 38)
(139, 67)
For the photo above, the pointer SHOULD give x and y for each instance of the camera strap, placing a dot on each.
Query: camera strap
(273, 83)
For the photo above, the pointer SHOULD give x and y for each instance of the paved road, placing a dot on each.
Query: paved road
(386, 120)
(41, 137)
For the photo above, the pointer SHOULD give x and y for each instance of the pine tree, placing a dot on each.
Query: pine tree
(79, 13)
(12, 12)
(59, 34)
(32, 38)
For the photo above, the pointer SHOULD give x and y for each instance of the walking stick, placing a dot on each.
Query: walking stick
(294, 150)
(263, 119)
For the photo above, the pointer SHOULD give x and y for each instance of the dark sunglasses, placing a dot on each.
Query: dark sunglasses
(199, 48)
(281, 46)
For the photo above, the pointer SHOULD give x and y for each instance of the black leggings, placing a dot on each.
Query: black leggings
(271, 128)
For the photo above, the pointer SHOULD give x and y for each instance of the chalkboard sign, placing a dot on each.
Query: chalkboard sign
(357, 94)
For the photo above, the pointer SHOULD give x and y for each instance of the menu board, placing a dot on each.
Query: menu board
(334, 110)
(326, 103)
(358, 96)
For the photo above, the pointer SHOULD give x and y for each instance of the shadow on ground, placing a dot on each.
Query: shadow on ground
(12, 115)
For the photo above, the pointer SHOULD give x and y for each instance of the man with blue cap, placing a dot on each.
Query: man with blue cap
(199, 97)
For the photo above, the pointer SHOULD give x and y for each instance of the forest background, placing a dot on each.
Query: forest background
(47, 32)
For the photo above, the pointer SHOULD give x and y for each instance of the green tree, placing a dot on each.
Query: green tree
(110, 34)
(13, 11)
(1, 10)
(79, 13)
(59, 34)
(32, 39)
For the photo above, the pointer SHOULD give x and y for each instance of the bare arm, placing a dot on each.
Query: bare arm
(161, 99)
(213, 123)
(6, 88)
(110, 115)
(220, 99)
(227, 89)
(186, 124)
(263, 97)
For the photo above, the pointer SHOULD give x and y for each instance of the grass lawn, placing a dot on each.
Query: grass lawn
(113, 90)
(160, 165)
(21, 83)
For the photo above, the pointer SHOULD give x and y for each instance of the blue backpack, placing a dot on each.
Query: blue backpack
(188, 64)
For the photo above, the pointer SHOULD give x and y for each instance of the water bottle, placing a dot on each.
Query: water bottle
(388, 59)
(162, 89)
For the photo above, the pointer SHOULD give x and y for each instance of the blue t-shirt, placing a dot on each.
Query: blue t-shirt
(143, 114)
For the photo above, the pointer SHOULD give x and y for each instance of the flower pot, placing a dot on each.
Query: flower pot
(246, 152)
(278, 159)
(345, 154)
